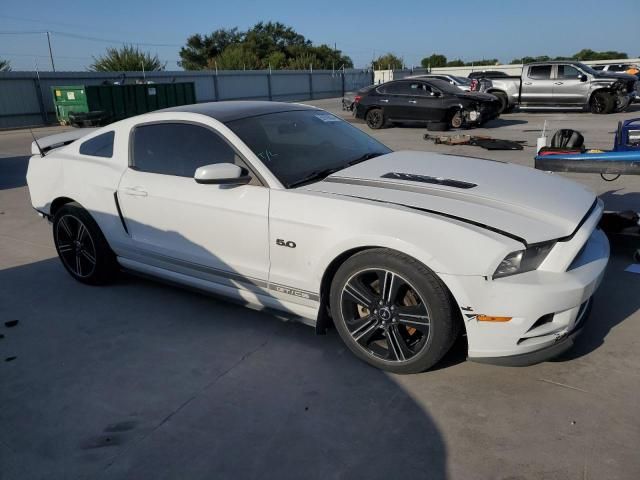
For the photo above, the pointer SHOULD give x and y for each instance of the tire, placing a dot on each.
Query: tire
(457, 120)
(411, 329)
(504, 101)
(375, 118)
(620, 104)
(601, 103)
(81, 246)
(438, 126)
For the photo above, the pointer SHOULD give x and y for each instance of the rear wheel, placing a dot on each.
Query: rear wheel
(392, 312)
(81, 246)
(601, 103)
(375, 118)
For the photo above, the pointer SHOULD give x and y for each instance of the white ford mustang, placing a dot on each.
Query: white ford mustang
(287, 207)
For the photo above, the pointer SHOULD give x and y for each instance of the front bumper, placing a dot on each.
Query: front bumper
(547, 307)
(561, 344)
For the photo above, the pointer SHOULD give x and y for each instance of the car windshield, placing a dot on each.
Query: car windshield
(303, 146)
(444, 86)
(462, 80)
(587, 69)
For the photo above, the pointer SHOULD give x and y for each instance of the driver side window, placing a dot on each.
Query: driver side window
(179, 149)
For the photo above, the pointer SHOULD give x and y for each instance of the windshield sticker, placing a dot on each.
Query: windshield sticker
(327, 117)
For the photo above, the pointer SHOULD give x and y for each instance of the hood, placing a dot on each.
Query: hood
(617, 75)
(520, 202)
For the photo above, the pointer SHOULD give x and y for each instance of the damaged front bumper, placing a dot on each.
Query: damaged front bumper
(546, 308)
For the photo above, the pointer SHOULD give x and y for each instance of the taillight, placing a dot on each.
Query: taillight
(357, 99)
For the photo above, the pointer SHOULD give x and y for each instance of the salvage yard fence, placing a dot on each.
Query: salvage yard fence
(26, 100)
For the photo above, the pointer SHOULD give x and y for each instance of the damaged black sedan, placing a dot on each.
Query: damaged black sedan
(433, 102)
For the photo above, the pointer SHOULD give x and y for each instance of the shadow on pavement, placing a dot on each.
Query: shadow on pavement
(615, 301)
(142, 380)
(13, 172)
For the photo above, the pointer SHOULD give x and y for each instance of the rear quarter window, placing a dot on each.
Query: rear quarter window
(540, 72)
(100, 146)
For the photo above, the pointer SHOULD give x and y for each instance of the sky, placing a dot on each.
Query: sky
(362, 29)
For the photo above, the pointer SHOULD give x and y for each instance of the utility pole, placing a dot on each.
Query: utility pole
(53, 67)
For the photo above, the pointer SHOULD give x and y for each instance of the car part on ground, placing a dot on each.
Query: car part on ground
(421, 100)
(516, 274)
(567, 153)
(487, 143)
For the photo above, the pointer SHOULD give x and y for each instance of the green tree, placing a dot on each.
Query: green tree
(5, 65)
(455, 63)
(539, 58)
(235, 57)
(388, 61)
(126, 59)
(265, 44)
(588, 54)
(435, 60)
(200, 49)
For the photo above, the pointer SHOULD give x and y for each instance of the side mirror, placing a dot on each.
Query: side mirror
(221, 174)
(582, 77)
(435, 94)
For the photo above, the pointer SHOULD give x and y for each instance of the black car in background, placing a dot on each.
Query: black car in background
(488, 74)
(436, 103)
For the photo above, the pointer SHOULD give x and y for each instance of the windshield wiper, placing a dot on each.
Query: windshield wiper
(325, 172)
(365, 157)
(315, 175)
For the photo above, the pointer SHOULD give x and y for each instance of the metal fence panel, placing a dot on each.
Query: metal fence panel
(25, 97)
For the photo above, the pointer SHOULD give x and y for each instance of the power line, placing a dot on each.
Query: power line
(86, 37)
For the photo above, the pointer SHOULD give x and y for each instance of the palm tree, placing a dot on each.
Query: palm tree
(126, 59)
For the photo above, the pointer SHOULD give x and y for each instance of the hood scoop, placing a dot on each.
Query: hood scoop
(412, 177)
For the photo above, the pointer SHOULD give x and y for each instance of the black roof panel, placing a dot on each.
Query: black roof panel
(228, 111)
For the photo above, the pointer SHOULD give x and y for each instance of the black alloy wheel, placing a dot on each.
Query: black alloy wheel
(392, 311)
(82, 247)
(375, 118)
(75, 246)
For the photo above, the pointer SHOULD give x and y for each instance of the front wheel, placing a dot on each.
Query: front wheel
(393, 312)
(457, 120)
(375, 118)
(81, 246)
(601, 103)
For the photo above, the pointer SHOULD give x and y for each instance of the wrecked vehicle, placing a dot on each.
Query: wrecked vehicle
(564, 85)
(436, 103)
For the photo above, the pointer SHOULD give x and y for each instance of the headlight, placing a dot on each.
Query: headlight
(522, 261)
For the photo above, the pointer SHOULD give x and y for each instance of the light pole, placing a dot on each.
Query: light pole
(50, 52)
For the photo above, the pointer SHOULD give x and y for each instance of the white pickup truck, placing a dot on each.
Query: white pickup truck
(565, 85)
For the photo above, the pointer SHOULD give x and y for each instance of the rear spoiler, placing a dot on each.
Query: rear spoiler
(46, 144)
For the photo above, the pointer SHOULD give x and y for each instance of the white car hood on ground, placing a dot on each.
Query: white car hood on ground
(523, 202)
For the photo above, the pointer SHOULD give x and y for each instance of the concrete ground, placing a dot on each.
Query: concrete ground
(141, 380)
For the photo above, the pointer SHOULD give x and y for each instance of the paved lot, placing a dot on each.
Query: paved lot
(140, 380)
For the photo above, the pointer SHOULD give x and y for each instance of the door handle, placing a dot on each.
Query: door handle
(135, 191)
(384, 100)
(558, 83)
(527, 83)
(413, 101)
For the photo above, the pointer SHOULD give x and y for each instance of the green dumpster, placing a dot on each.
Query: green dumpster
(69, 99)
(102, 104)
